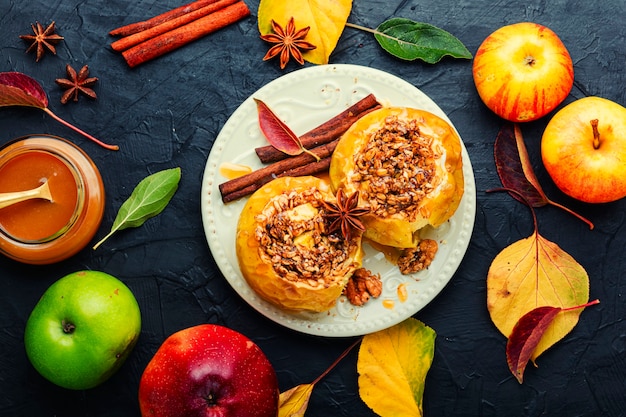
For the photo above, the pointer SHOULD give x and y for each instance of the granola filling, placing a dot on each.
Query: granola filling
(293, 238)
(398, 164)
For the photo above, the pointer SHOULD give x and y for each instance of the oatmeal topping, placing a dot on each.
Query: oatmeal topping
(294, 239)
(398, 167)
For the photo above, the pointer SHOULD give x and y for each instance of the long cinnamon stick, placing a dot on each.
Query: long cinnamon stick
(152, 32)
(185, 34)
(163, 17)
(309, 169)
(326, 132)
(263, 175)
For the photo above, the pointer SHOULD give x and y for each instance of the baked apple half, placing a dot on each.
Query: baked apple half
(287, 250)
(407, 165)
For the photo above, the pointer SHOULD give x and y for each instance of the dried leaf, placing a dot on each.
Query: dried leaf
(392, 366)
(509, 154)
(277, 133)
(294, 402)
(530, 273)
(325, 19)
(409, 40)
(516, 172)
(527, 333)
(149, 198)
(17, 89)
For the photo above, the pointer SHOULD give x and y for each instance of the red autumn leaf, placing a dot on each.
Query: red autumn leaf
(509, 165)
(528, 332)
(516, 172)
(277, 133)
(17, 89)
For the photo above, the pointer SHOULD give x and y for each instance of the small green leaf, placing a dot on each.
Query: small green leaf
(409, 40)
(149, 198)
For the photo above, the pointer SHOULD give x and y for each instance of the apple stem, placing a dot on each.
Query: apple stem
(596, 134)
(343, 355)
(68, 327)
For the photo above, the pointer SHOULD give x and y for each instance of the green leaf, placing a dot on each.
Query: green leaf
(409, 40)
(149, 198)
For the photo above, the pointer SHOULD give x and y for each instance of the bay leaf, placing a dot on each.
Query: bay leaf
(410, 40)
(531, 273)
(392, 366)
(148, 199)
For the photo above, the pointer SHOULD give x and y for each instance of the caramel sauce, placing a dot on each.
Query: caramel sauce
(38, 219)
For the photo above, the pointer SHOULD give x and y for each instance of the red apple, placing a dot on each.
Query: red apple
(523, 71)
(583, 149)
(210, 371)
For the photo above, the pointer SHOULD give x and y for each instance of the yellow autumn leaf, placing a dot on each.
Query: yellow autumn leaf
(294, 402)
(392, 366)
(531, 273)
(326, 19)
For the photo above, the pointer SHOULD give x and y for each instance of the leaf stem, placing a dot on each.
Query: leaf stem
(570, 211)
(343, 355)
(590, 303)
(373, 31)
(85, 134)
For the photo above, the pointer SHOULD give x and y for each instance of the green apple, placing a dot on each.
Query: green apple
(82, 329)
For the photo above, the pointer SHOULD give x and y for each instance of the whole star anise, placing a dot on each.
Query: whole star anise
(288, 42)
(344, 214)
(77, 83)
(42, 38)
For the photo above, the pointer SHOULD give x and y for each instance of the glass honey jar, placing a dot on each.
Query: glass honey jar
(41, 231)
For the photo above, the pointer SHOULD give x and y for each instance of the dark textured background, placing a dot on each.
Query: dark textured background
(168, 112)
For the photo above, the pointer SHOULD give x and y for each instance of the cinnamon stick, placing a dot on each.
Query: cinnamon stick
(326, 132)
(171, 24)
(309, 169)
(185, 34)
(254, 180)
(163, 17)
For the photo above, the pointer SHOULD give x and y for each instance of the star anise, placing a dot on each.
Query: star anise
(42, 38)
(344, 214)
(77, 83)
(288, 42)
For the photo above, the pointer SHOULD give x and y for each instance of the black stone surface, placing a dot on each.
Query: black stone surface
(168, 112)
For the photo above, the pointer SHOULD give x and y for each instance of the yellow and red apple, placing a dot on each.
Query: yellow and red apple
(523, 71)
(583, 149)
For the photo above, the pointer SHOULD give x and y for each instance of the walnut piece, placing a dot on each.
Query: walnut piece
(362, 285)
(415, 259)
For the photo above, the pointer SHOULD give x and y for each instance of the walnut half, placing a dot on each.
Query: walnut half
(415, 259)
(362, 285)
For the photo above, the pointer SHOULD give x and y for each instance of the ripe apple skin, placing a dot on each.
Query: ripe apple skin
(211, 371)
(523, 71)
(577, 167)
(103, 322)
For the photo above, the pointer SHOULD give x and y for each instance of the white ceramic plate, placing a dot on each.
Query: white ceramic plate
(304, 99)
